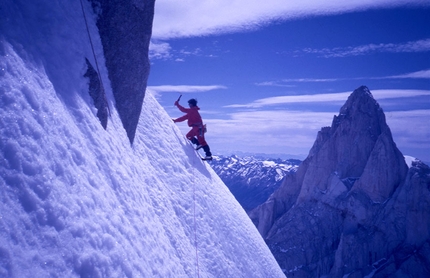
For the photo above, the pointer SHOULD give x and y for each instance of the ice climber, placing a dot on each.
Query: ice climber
(197, 128)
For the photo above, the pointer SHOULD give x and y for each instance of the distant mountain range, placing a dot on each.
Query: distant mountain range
(252, 179)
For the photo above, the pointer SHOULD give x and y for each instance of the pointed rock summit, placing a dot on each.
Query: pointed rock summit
(350, 153)
(335, 215)
(125, 29)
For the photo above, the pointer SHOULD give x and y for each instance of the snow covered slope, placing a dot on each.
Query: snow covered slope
(77, 200)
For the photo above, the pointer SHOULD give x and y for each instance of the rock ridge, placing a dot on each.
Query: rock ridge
(125, 28)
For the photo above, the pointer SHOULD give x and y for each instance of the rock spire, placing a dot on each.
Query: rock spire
(346, 209)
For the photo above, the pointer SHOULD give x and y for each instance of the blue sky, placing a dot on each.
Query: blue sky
(269, 76)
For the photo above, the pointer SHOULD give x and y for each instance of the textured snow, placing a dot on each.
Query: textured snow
(78, 200)
(267, 163)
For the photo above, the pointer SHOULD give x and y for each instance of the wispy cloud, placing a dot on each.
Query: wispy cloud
(294, 132)
(159, 50)
(413, 46)
(187, 18)
(410, 128)
(163, 51)
(184, 88)
(335, 97)
(292, 82)
(422, 74)
(284, 82)
(274, 83)
(390, 94)
(292, 99)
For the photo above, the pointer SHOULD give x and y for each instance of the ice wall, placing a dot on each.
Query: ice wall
(76, 199)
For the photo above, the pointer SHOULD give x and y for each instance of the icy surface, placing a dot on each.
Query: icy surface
(77, 200)
(409, 160)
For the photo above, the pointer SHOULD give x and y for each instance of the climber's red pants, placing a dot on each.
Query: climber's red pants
(198, 132)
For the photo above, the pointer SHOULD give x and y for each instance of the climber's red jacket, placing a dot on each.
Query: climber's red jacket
(192, 115)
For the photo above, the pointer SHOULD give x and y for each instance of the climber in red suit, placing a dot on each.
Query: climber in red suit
(196, 123)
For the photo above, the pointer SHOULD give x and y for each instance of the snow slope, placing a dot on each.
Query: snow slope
(78, 200)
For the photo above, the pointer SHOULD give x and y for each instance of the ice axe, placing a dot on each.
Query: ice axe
(179, 98)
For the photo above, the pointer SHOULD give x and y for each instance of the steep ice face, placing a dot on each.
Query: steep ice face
(76, 199)
(112, 35)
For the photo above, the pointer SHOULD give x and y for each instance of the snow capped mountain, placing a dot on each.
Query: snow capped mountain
(77, 199)
(252, 179)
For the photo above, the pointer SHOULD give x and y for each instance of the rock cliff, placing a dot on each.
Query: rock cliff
(353, 207)
(125, 28)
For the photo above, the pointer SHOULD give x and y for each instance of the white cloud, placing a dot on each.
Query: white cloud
(159, 50)
(411, 131)
(184, 88)
(413, 46)
(423, 74)
(385, 94)
(294, 132)
(283, 82)
(268, 131)
(413, 124)
(335, 97)
(163, 51)
(274, 83)
(287, 82)
(195, 52)
(310, 80)
(292, 99)
(186, 18)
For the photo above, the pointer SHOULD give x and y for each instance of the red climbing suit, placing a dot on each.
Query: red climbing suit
(195, 121)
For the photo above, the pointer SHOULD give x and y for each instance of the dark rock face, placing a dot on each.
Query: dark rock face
(125, 28)
(97, 94)
(350, 207)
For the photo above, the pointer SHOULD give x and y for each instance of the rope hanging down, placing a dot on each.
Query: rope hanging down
(95, 58)
(195, 223)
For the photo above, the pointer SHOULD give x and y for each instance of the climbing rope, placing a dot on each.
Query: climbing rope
(195, 222)
(95, 58)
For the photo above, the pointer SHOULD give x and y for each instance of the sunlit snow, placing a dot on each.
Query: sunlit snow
(78, 200)
(409, 160)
